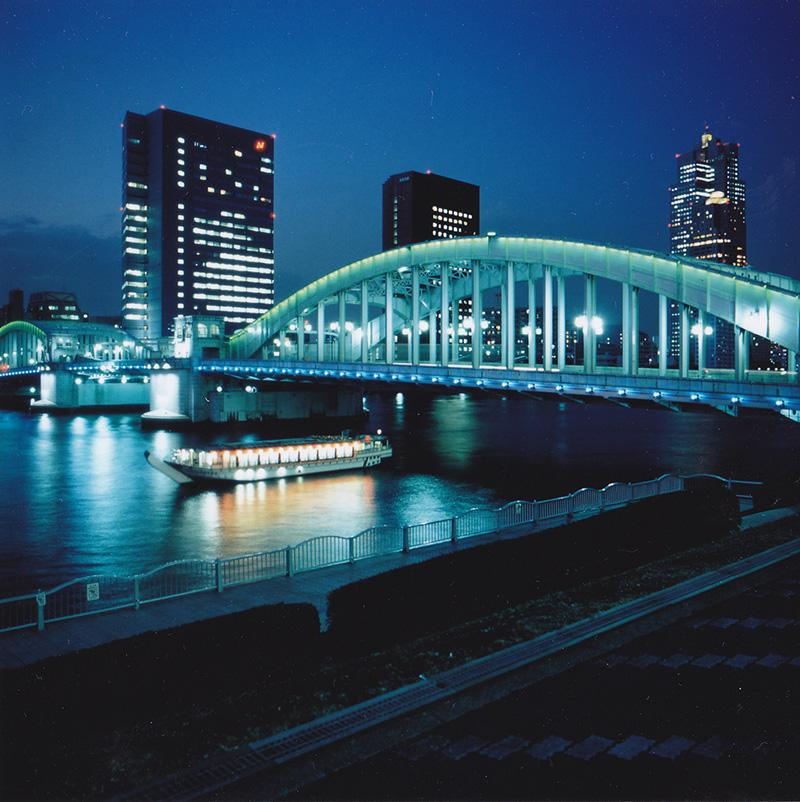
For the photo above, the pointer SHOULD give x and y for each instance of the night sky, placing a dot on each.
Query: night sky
(568, 115)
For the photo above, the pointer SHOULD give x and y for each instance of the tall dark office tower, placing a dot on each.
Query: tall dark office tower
(197, 222)
(422, 206)
(707, 221)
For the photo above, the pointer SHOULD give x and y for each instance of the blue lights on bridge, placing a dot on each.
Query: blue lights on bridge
(671, 392)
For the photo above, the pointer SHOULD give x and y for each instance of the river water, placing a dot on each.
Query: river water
(77, 498)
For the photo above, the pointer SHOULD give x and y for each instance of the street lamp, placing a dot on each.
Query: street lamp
(583, 322)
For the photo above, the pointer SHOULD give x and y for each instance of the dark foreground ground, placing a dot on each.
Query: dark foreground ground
(704, 709)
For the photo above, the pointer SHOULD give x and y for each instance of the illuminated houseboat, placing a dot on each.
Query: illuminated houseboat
(272, 459)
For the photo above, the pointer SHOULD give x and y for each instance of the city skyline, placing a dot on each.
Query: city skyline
(595, 154)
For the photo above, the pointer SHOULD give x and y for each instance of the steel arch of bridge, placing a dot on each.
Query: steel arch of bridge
(410, 286)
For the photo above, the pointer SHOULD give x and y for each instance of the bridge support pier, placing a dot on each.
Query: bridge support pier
(57, 390)
(183, 396)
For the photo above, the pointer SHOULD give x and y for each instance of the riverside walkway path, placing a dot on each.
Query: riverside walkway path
(28, 646)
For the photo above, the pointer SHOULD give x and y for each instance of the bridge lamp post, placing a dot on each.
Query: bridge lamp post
(701, 332)
(585, 324)
(334, 329)
(349, 328)
(406, 332)
(424, 327)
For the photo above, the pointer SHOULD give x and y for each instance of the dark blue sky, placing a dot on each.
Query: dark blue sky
(568, 114)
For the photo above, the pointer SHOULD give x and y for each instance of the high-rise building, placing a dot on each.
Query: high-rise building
(14, 310)
(707, 221)
(54, 306)
(197, 222)
(423, 206)
(707, 204)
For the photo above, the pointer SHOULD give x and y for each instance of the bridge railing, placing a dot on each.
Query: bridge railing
(98, 594)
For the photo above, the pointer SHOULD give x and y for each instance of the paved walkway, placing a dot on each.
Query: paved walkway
(27, 646)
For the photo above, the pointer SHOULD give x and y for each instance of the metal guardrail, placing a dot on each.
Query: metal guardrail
(99, 594)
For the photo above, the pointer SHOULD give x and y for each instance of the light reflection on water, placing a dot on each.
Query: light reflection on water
(77, 497)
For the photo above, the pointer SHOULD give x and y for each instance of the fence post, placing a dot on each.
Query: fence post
(351, 550)
(602, 499)
(289, 566)
(406, 542)
(137, 596)
(535, 516)
(454, 530)
(218, 575)
(41, 600)
(571, 505)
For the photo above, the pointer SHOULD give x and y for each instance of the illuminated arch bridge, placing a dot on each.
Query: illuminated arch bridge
(461, 308)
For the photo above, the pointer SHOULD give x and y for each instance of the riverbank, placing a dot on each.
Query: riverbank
(119, 717)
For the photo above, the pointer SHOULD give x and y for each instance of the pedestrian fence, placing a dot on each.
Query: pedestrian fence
(97, 594)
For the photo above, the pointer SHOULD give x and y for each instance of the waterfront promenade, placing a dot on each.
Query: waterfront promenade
(28, 646)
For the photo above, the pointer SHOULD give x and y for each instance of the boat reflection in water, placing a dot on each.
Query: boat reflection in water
(233, 519)
(272, 459)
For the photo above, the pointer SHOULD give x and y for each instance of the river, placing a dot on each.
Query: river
(77, 498)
